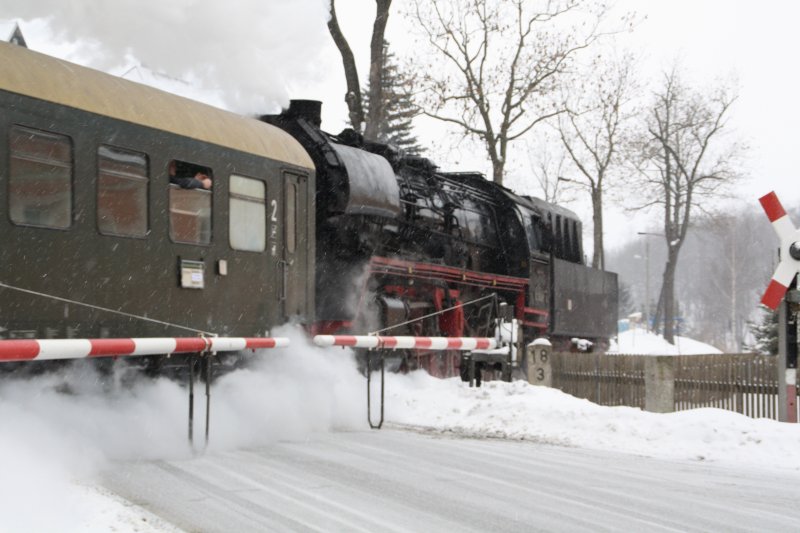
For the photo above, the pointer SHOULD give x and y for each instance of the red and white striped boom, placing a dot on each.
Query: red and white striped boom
(39, 350)
(420, 343)
(789, 265)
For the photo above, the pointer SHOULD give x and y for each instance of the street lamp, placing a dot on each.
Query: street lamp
(647, 275)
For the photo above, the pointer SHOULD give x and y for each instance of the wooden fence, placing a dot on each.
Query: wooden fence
(601, 379)
(744, 383)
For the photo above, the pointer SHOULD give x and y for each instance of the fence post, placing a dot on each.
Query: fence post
(659, 384)
(539, 363)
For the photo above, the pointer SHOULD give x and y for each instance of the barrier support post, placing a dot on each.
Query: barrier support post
(191, 401)
(787, 356)
(208, 356)
(369, 387)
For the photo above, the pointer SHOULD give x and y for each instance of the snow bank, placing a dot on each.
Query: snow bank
(642, 342)
(524, 412)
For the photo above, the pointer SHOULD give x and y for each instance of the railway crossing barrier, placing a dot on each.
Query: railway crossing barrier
(22, 350)
(17, 350)
(396, 343)
(379, 342)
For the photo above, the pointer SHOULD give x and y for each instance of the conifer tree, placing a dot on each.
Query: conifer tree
(395, 126)
(765, 333)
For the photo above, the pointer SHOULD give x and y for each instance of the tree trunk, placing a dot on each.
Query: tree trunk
(669, 296)
(353, 96)
(498, 168)
(659, 309)
(598, 256)
(375, 113)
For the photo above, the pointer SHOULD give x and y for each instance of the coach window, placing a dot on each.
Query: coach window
(122, 192)
(248, 214)
(40, 178)
(189, 208)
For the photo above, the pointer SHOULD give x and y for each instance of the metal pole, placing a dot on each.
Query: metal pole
(208, 394)
(191, 400)
(369, 387)
(787, 361)
(647, 284)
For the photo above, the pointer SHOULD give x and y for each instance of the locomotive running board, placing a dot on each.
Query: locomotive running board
(25, 350)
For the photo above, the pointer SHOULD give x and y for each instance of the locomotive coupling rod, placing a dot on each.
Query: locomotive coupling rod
(369, 387)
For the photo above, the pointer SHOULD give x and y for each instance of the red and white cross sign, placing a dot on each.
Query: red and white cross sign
(789, 264)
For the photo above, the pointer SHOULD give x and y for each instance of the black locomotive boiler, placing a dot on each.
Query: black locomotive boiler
(402, 243)
(329, 231)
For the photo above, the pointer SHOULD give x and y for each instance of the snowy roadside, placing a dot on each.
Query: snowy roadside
(109, 512)
(521, 411)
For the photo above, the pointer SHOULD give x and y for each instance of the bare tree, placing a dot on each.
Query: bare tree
(498, 64)
(723, 269)
(592, 131)
(548, 164)
(734, 277)
(353, 96)
(686, 163)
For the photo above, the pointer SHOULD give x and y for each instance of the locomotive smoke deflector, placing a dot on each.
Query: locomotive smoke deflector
(356, 181)
(373, 186)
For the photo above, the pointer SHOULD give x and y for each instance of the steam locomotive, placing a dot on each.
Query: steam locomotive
(332, 232)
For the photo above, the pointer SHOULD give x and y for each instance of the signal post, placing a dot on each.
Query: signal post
(782, 296)
(787, 356)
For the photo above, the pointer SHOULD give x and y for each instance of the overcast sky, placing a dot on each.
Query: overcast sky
(253, 55)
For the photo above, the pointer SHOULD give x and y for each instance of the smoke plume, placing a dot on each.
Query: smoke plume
(248, 52)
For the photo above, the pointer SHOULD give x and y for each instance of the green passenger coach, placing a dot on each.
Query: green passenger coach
(95, 240)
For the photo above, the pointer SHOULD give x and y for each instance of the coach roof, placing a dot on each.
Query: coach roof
(47, 78)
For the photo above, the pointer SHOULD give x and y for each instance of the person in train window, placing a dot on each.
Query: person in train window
(188, 180)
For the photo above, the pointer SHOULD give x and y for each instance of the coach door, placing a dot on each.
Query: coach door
(295, 249)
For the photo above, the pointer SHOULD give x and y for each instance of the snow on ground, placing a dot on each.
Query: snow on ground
(525, 412)
(639, 341)
(59, 432)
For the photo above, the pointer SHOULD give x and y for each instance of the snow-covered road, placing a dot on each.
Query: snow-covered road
(400, 480)
(290, 450)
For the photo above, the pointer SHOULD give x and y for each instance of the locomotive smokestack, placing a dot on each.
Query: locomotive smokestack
(311, 110)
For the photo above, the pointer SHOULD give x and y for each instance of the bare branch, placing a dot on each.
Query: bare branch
(501, 64)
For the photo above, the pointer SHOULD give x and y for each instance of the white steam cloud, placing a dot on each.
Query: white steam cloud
(59, 429)
(247, 51)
